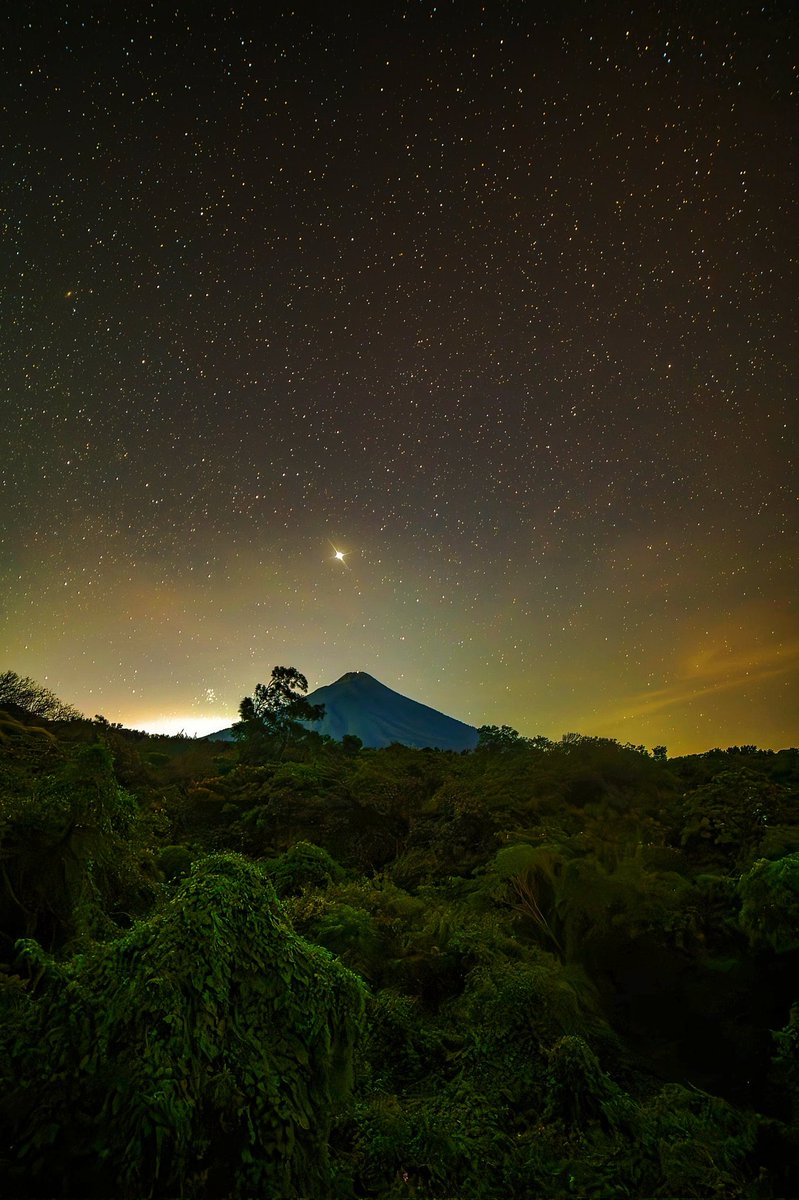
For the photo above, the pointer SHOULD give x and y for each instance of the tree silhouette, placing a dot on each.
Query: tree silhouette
(34, 698)
(272, 718)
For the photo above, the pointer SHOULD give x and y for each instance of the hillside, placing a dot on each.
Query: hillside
(359, 705)
(534, 970)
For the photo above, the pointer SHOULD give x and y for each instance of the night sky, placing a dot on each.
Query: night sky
(500, 300)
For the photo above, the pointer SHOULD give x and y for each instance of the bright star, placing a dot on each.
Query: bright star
(338, 555)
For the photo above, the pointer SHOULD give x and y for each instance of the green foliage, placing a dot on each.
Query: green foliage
(16, 736)
(725, 820)
(579, 1093)
(352, 934)
(578, 907)
(303, 865)
(786, 1058)
(556, 937)
(527, 877)
(401, 1046)
(74, 852)
(703, 1146)
(679, 1143)
(203, 1052)
(770, 904)
(518, 1008)
(174, 862)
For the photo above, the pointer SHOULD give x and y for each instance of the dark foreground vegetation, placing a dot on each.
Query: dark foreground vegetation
(294, 968)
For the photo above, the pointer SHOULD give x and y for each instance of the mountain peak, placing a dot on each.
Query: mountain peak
(360, 681)
(361, 705)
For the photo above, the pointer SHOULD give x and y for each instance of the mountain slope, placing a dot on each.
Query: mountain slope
(359, 704)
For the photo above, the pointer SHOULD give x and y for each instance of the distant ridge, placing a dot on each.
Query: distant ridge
(360, 705)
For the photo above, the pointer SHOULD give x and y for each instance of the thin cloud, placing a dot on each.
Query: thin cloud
(709, 672)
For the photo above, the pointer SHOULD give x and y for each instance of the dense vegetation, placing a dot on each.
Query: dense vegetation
(297, 968)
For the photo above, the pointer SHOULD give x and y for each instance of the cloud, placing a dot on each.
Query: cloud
(725, 661)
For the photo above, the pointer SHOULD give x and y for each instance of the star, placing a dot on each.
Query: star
(399, 379)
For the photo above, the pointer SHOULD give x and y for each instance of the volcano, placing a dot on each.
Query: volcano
(359, 704)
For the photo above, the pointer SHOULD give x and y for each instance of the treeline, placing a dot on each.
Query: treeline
(291, 967)
(17, 691)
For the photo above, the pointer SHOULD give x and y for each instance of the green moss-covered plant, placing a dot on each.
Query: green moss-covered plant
(202, 1054)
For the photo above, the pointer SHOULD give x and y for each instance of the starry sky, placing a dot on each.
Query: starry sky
(499, 299)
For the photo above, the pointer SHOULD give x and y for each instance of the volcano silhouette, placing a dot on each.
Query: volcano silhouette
(359, 704)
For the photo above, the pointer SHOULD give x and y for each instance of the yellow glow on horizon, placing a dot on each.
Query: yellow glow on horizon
(191, 724)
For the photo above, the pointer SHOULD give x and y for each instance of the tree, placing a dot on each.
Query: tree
(725, 820)
(770, 904)
(73, 854)
(274, 716)
(498, 737)
(205, 1053)
(34, 698)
